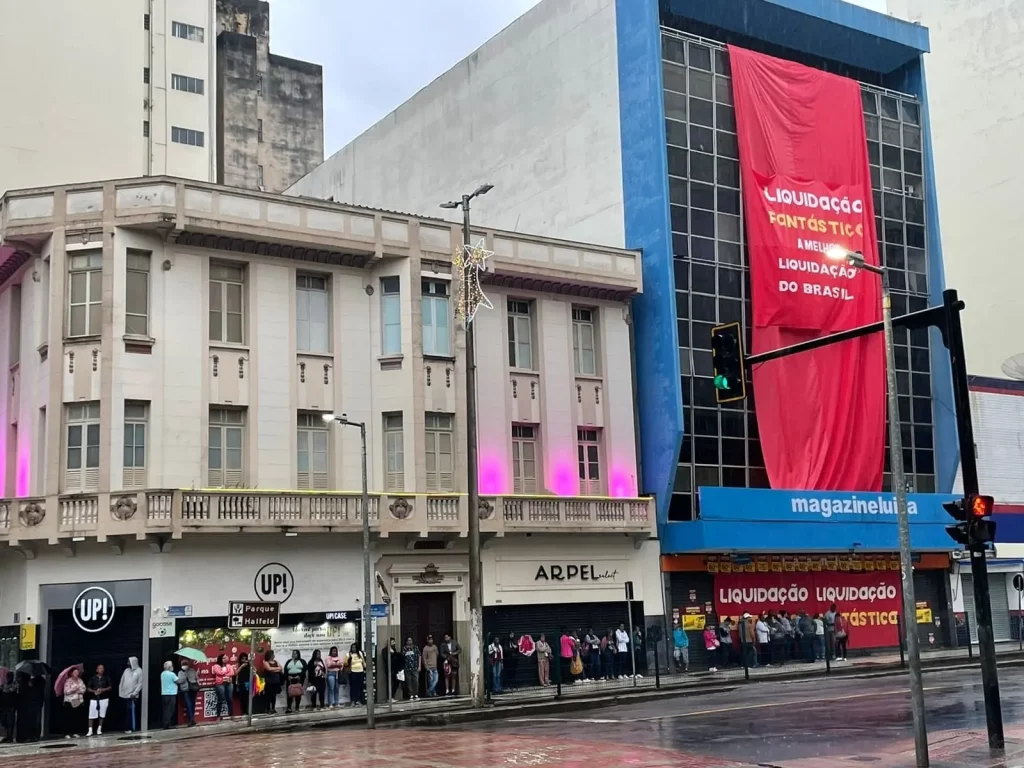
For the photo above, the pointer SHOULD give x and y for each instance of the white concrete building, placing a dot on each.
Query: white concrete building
(131, 88)
(170, 348)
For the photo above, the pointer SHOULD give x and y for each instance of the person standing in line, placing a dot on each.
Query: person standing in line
(355, 663)
(168, 695)
(748, 640)
(543, 660)
(223, 674)
(566, 650)
(830, 631)
(334, 666)
(272, 681)
(819, 638)
(188, 687)
(8, 707)
(681, 648)
(431, 653)
(295, 674)
(592, 661)
(842, 636)
(511, 665)
(450, 653)
(711, 645)
(98, 688)
(639, 652)
(806, 624)
(397, 659)
(241, 681)
(777, 638)
(495, 659)
(413, 665)
(31, 696)
(74, 707)
(622, 665)
(763, 638)
(130, 689)
(316, 673)
(725, 643)
(608, 655)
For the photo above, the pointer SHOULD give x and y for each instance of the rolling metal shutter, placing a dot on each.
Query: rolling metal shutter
(1000, 606)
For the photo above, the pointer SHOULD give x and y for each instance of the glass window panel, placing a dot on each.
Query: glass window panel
(703, 307)
(891, 157)
(233, 458)
(677, 192)
(679, 217)
(890, 132)
(730, 311)
(677, 162)
(869, 102)
(914, 210)
(233, 438)
(728, 200)
(725, 118)
(706, 477)
(729, 227)
(74, 457)
(874, 153)
(911, 112)
(675, 105)
(734, 452)
(675, 133)
(730, 282)
(723, 90)
(703, 277)
(911, 137)
(700, 56)
(702, 196)
(95, 286)
(702, 223)
(79, 281)
(721, 62)
(702, 167)
(673, 49)
(233, 292)
(702, 139)
(892, 179)
(728, 145)
(912, 161)
(915, 236)
(95, 315)
(702, 112)
(890, 107)
(729, 253)
(702, 248)
(234, 328)
(871, 129)
(136, 295)
(706, 450)
(673, 78)
(728, 172)
(77, 321)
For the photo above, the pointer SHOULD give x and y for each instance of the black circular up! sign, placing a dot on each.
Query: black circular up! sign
(93, 609)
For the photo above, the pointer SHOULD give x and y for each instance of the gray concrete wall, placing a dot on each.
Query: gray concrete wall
(293, 122)
(535, 111)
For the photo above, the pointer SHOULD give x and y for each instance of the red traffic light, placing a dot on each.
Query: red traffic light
(979, 506)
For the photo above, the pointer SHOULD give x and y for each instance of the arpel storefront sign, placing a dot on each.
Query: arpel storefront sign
(574, 572)
(869, 601)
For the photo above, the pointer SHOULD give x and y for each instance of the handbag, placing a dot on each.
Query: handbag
(400, 677)
(296, 690)
(576, 667)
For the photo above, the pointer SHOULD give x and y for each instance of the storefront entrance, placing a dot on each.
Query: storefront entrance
(69, 645)
(427, 613)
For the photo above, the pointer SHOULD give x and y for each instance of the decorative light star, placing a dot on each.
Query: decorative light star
(468, 262)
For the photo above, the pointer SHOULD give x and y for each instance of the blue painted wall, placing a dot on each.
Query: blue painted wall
(645, 195)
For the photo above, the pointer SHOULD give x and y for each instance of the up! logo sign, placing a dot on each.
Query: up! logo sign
(274, 583)
(93, 609)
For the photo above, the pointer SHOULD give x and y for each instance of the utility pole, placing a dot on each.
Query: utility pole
(476, 599)
(954, 338)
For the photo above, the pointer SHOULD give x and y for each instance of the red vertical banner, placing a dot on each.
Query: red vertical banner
(806, 188)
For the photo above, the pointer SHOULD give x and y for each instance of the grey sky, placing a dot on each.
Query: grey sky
(377, 54)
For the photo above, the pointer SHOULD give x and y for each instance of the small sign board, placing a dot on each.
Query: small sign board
(253, 615)
(161, 626)
(379, 611)
(629, 590)
(1018, 582)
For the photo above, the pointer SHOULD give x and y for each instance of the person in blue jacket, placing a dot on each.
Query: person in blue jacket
(681, 648)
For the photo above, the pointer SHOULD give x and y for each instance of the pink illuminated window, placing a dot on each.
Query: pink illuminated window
(588, 452)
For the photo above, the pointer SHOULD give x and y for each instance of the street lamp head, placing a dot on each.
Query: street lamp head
(450, 205)
(483, 189)
(838, 253)
(329, 417)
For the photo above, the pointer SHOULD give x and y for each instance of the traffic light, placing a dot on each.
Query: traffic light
(976, 528)
(727, 358)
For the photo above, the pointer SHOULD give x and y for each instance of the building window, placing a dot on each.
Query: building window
(145, 21)
(145, 128)
(391, 316)
(187, 31)
(226, 452)
(136, 303)
(520, 334)
(187, 136)
(188, 84)
(227, 292)
(85, 275)
(259, 129)
(440, 456)
(259, 176)
(436, 318)
(136, 415)
(584, 354)
(82, 447)
(259, 85)
(313, 458)
(14, 343)
(588, 450)
(394, 452)
(145, 75)
(524, 459)
(312, 314)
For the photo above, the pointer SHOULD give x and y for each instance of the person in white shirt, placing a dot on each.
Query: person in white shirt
(622, 651)
(763, 637)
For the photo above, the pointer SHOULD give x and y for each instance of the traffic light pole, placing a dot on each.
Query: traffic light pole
(979, 566)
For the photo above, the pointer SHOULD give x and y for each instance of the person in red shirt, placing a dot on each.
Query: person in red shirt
(223, 675)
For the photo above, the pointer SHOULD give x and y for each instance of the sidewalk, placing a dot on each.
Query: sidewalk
(885, 663)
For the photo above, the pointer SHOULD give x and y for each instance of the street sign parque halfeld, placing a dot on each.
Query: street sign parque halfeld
(253, 614)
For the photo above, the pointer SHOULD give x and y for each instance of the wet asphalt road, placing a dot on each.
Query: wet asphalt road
(777, 723)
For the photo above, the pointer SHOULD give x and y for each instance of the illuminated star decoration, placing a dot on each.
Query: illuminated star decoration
(467, 264)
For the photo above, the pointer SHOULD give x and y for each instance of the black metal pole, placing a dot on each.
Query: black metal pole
(899, 624)
(979, 566)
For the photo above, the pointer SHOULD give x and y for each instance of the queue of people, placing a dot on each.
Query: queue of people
(772, 638)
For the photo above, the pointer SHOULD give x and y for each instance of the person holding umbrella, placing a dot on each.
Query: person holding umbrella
(71, 687)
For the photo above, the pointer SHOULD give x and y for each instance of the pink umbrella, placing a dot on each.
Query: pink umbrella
(58, 686)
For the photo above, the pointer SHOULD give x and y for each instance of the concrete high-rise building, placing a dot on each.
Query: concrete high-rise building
(148, 87)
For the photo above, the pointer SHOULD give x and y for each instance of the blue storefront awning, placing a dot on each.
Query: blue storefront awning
(762, 520)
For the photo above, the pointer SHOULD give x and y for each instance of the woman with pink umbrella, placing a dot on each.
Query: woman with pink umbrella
(69, 684)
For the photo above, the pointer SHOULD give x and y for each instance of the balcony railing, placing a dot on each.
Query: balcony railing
(186, 512)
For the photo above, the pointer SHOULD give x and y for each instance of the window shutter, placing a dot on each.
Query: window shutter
(592, 488)
(215, 478)
(517, 469)
(303, 478)
(320, 481)
(133, 478)
(395, 481)
(72, 480)
(232, 478)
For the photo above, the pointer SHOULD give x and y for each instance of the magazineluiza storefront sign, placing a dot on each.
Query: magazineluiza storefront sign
(807, 188)
(870, 601)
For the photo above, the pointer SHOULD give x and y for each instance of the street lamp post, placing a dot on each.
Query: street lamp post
(899, 485)
(370, 691)
(476, 629)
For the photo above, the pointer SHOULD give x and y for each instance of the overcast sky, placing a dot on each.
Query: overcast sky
(377, 54)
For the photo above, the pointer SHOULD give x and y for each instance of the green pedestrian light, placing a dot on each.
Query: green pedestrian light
(727, 357)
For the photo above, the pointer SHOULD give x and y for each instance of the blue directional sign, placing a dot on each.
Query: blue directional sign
(379, 611)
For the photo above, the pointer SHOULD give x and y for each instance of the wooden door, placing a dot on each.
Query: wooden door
(426, 613)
